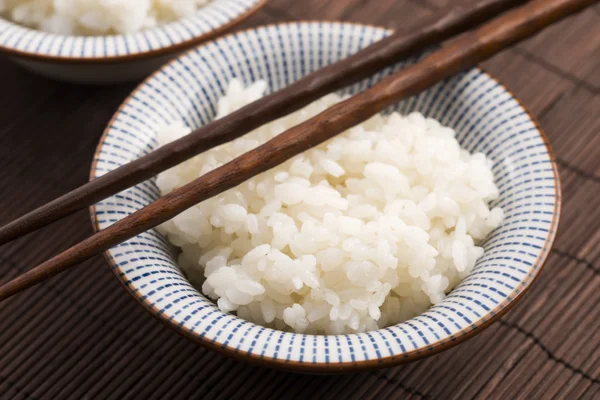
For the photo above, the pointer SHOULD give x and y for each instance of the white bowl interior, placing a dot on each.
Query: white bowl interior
(486, 116)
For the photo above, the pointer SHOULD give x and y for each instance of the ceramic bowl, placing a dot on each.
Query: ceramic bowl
(487, 118)
(118, 58)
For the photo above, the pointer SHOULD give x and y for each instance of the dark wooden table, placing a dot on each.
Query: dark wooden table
(82, 336)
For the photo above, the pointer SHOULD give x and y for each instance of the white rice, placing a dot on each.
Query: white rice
(96, 17)
(364, 231)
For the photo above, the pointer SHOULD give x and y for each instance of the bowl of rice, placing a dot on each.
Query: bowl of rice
(105, 42)
(399, 238)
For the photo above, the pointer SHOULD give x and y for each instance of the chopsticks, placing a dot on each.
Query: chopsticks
(464, 52)
(385, 52)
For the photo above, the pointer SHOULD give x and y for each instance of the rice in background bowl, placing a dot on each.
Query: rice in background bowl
(93, 17)
(110, 58)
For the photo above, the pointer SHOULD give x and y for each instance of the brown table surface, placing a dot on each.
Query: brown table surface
(82, 336)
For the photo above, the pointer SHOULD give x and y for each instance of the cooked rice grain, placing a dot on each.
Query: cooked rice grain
(366, 230)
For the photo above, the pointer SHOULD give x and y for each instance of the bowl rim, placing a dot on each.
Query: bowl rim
(141, 55)
(369, 364)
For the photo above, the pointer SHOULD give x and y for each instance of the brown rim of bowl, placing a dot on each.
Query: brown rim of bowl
(162, 51)
(349, 367)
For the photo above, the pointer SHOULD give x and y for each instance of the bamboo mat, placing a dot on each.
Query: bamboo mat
(82, 336)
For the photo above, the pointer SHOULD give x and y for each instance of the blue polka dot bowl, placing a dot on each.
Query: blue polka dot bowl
(118, 58)
(486, 117)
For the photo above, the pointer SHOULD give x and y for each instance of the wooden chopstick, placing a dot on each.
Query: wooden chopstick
(306, 90)
(466, 51)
